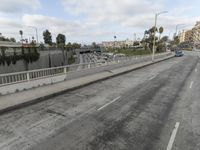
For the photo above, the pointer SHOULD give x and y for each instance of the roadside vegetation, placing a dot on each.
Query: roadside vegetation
(128, 51)
(145, 46)
(71, 60)
(67, 49)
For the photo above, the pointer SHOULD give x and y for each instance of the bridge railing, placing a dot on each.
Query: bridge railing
(26, 76)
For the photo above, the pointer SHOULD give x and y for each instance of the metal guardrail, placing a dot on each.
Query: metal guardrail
(26, 76)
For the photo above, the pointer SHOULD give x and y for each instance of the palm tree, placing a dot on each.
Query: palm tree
(21, 33)
(115, 37)
(161, 29)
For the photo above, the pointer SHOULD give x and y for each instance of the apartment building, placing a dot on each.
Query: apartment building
(182, 36)
(196, 32)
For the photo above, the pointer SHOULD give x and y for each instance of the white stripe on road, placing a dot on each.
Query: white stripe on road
(173, 136)
(109, 103)
(152, 77)
(196, 70)
(191, 84)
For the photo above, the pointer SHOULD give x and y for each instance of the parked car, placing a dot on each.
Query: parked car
(179, 53)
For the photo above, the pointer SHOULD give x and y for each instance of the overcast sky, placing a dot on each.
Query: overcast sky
(86, 21)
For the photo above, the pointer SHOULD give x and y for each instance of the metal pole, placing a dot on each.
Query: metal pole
(154, 38)
(176, 30)
(36, 33)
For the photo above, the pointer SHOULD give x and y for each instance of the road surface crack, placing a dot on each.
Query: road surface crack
(54, 112)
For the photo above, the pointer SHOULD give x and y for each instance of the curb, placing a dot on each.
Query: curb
(46, 97)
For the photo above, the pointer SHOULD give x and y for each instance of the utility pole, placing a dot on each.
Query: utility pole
(154, 38)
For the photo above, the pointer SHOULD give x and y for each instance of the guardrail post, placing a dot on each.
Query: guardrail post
(65, 70)
(28, 76)
(89, 66)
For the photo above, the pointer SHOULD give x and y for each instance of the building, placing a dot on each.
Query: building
(196, 32)
(182, 36)
(189, 36)
(117, 44)
(186, 36)
(129, 43)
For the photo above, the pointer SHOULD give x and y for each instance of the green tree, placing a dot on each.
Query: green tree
(161, 29)
(47, 37)
(176, 40)
(76, 45)
(164, 39)
(149, 37)
(152, 30)
(94, 45)
(60, 41)
(161, 46)
(21, 34)
(69, 47)
(12, 39)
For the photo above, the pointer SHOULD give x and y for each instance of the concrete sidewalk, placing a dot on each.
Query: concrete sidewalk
(21, 99)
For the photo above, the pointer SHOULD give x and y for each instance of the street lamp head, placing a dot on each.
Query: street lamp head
(181, 24)
(162, 12)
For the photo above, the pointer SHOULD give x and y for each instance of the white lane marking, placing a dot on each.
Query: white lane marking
(196, 70)
(109, 103)
(173, 136)
(191, 84)
(152, 77)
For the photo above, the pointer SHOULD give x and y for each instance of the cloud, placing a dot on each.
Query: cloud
(16, 6)
(56, 25)
(92, 20)
(132, 14)
(9, 23)
(111, 10)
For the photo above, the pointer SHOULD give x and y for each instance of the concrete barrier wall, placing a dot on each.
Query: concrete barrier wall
(43, 62)
(16, 87)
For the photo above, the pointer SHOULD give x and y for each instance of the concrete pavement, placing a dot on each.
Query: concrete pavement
(137, 110)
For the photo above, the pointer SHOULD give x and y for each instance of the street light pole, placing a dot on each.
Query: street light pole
(36, 34)
(177, 28)
(36, 31)
(154, 38)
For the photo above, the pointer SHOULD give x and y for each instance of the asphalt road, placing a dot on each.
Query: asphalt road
(134, 111)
